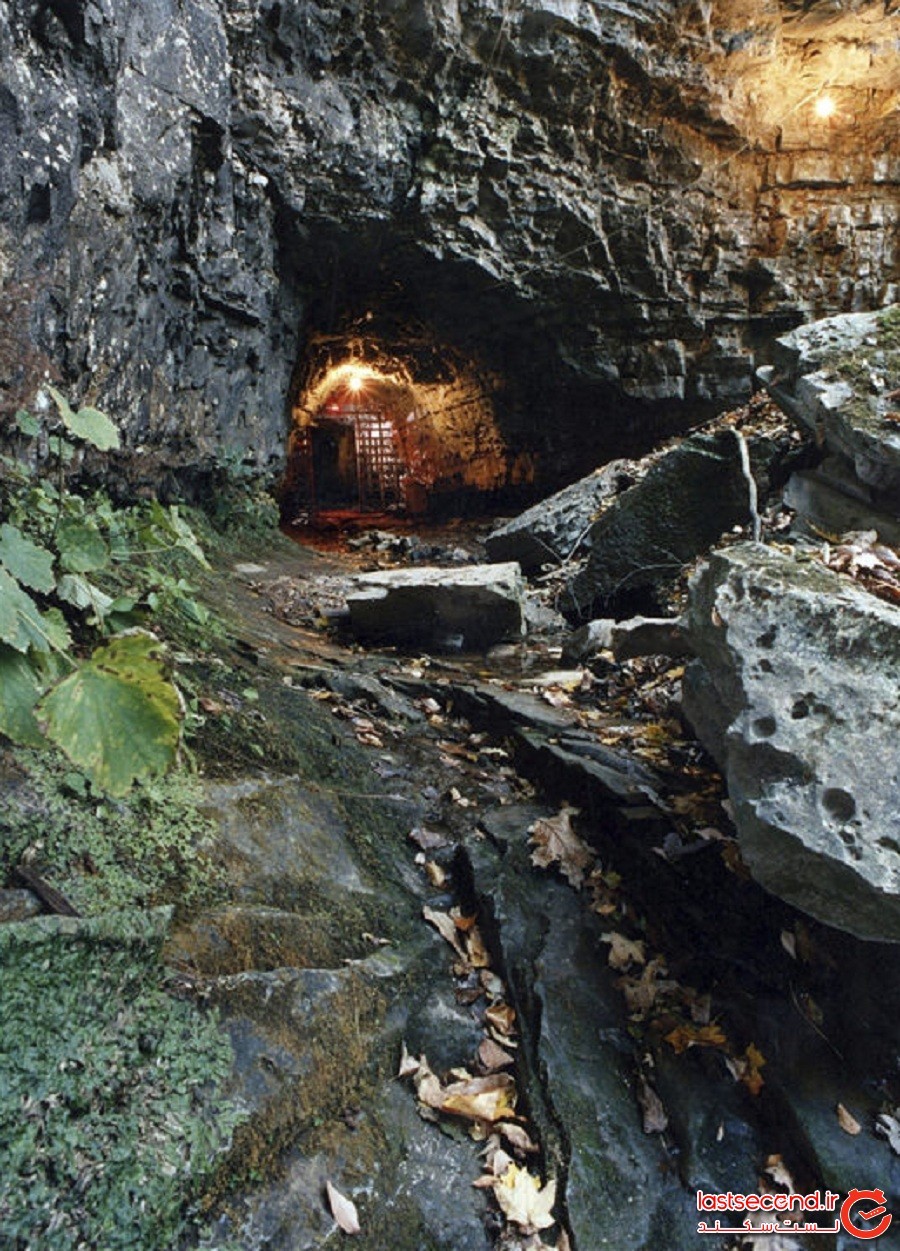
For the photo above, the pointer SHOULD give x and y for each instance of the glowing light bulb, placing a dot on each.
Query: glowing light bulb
(355, 380)
(825, 107)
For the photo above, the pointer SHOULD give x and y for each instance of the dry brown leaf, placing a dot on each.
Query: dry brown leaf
(436, 875)
(445, 926)
(492, 984)
(518, 1138)
(523, 1200)
(887, 1126)
(655, 1119)
(501, 1017)
(746, 1068)
(428, 840)
(777, 1170)
(493, 1057)
(488, 1098)
(848, 1123)
(623, 951)
(476, 951)
(684, 1036)
(555, 842)
(343, 1210)
(408, 1064)
(429, 1090)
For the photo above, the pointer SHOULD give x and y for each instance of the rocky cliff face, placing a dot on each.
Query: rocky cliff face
(610, 205)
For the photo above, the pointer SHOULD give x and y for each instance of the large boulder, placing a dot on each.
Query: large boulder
(838, 377)
(556, 528)
(794, 692)
(472, 606)
(687, 499)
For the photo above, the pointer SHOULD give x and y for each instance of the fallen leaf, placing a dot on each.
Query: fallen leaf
(685, 1036)
(789, 943)
(488, 1098)
(523, 1200)
(777, 1170)
(408, 1064)
(476, 951)
(746, 1068)
(501, 1017)
(343, 1210)
(887, 1126)
(492, 984)
(848, 1123)
(435, 874)
(446, 927)
(518, 1138)
(623, 951)
(493, 1057)
(428, 840)
(655, 1119)
(555, 842)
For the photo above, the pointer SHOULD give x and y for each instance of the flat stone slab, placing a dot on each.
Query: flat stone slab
(468, 607)
(794, 693)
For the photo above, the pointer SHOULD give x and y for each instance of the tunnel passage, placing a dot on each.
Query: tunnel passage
(400, 427)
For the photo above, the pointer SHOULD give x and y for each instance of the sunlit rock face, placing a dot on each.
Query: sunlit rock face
(612, 206)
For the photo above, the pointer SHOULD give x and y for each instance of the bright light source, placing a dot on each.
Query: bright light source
(355, 380)
(825, 107)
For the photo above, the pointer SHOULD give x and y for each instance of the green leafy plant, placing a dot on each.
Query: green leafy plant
(110, 1122)
(113, 710)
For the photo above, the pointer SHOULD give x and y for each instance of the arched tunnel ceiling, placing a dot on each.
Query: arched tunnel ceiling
(612, 205)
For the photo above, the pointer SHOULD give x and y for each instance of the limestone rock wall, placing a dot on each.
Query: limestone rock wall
(614, 205)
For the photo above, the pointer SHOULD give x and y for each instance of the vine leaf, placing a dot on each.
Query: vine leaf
(88, 424)
(21, 625)
(82, 548)
(25, 560)
(117, 716)
(20, 690)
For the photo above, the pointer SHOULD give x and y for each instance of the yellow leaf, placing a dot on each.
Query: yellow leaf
(523, 1200)
(685, 1036)
(488, 1098)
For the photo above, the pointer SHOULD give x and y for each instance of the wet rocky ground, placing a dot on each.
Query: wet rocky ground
(671, 1026)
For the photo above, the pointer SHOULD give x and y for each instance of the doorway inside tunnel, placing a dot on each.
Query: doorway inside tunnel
(382, 428)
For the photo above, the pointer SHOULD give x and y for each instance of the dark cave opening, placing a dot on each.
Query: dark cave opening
(468, 394)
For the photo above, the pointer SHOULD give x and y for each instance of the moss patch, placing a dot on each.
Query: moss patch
(107, 1124)
(150, 848)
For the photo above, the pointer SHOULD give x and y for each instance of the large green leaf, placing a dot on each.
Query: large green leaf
(117, 717)
(20, 690)
(28, 425)
(88, 424)
(77, 591)
(21, 624)
(82, 547)
(31, 564)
